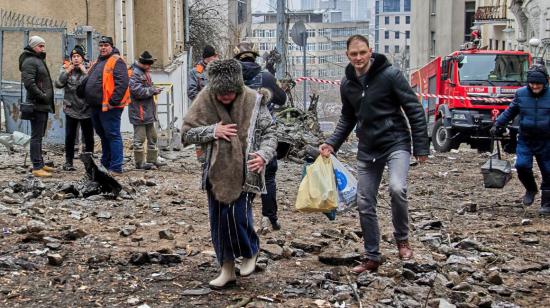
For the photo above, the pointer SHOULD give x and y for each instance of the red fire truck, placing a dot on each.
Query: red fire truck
(463, 92)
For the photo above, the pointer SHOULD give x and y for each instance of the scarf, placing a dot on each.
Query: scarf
(227, 164)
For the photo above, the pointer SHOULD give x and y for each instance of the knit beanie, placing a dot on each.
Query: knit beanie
(35, 41)
(225, 76)
(208, 52)
(537, 74)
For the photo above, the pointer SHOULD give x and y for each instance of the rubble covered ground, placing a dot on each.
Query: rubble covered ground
(150, 246)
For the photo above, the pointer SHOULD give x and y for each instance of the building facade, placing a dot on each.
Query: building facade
(515, 25)
(393, 31)
(132, 24)
(326, 44)
(440, 27)
(325, 50)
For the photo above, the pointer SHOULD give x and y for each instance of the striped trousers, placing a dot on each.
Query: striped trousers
(232, 228)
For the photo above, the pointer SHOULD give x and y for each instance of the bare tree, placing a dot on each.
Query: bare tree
(207, 25)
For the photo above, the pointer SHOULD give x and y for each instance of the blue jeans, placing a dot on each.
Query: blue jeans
(369, 176)
(525, 151)
(107, 127)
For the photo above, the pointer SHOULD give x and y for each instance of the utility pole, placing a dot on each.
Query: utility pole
(304, 48)
(187, 37)
(282, 34)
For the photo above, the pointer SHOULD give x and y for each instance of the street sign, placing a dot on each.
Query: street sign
(298, 33)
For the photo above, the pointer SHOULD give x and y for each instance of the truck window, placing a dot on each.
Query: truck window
(493, 69)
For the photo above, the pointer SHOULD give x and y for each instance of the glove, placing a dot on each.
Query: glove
(497, 131)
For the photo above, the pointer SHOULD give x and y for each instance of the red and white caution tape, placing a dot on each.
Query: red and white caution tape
(428, 95)
(474, 98)
(334, 82)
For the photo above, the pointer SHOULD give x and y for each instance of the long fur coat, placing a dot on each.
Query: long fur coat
(225, 164)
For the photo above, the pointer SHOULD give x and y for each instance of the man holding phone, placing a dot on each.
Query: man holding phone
(143, 112)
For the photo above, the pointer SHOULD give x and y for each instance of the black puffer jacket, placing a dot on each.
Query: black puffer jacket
(377, 110)
(37, 80)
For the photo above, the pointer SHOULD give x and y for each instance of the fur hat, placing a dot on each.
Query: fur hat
(537, 74)
(78, 50)
(225, 76)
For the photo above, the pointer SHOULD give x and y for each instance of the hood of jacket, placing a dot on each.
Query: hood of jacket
(250, 70)
(379, 64)
(28, 52)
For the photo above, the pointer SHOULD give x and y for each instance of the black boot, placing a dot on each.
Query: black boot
(527, 178)
(545, 203)
(275, 223)
(68, 166)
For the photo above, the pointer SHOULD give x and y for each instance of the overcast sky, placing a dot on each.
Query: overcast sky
(262, 5)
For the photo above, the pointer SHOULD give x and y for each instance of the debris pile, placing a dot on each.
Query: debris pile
(298, 132)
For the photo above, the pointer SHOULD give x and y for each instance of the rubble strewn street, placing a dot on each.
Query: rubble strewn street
(150, 245)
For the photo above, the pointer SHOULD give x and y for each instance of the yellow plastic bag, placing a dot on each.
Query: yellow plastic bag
(317, 192)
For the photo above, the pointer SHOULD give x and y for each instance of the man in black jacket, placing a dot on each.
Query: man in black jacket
(377, 98)
(256, 78)
(35, 75)
(107, 94)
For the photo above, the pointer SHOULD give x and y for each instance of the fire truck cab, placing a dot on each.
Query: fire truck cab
(465, 91)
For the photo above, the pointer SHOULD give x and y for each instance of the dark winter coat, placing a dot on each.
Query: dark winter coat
(143, 109)
(196, 81)
(36, 78)
(73, 106)
(94, 85)
(255, 78)
(533, 111)
(380, 108)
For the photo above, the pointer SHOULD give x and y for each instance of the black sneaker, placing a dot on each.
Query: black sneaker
(68, 167)
(275, 225)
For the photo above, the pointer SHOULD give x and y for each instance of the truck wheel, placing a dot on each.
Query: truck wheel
(441, 138)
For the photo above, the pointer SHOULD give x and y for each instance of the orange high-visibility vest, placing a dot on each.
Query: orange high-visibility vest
(109, 85)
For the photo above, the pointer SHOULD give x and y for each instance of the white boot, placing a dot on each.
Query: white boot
(226, 276)
(248, 265)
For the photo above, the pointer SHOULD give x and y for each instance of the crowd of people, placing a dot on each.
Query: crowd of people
(95, 95)
(232, 123)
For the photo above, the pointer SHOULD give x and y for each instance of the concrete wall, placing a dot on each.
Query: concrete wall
(420, 33)
(100, 13)
(158, 28)
(157, 23)
(447, 23)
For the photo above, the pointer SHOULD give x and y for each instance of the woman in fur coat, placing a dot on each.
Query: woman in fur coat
(232, 125)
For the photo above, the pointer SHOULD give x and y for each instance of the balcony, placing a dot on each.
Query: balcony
(489, 14)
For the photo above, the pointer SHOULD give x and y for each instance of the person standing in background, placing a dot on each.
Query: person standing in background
(77, 112)
(36, 78)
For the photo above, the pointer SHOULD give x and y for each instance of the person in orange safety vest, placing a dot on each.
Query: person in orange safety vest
(106, 92)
